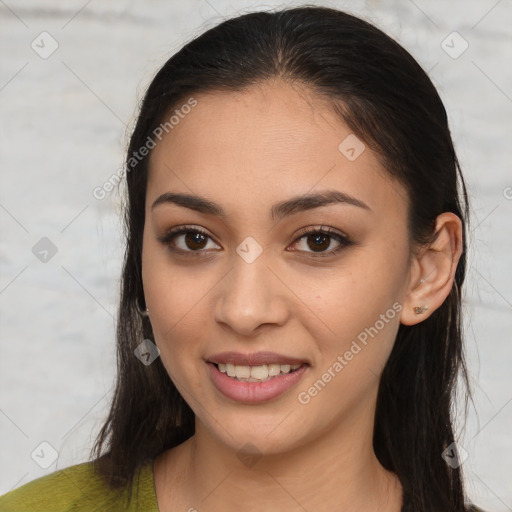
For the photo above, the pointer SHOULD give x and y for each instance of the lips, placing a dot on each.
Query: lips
(254, 359)
(257, 377)
(255, 392)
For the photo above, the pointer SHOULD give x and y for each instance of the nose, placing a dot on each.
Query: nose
(249, 296)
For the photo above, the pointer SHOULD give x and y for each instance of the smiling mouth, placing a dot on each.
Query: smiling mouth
(260, 373)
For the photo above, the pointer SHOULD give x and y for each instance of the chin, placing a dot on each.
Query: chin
(257, 435)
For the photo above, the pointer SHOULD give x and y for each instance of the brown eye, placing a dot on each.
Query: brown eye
(319, 240)
(194, 240)
(186, 240)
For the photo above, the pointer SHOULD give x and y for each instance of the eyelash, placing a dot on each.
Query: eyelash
(343, 240)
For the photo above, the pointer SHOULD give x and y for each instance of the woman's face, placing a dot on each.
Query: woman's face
(255, 282)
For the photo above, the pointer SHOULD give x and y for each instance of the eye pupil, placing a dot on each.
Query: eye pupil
(192, 238)
(318, 244)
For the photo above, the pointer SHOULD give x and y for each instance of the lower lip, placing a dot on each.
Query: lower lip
(255, 392)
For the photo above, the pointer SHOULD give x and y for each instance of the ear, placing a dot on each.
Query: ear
(433, 271)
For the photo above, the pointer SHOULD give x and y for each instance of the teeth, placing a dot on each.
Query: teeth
(256, 373)
(230, 370)
(274, 369)
(243, 372)
(259, 372)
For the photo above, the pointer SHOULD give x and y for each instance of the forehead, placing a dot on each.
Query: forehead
(270, 141)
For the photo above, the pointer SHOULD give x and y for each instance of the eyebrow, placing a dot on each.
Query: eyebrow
(278, 210)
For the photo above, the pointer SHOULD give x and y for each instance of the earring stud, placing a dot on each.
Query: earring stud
(143, 312)
(419, 310)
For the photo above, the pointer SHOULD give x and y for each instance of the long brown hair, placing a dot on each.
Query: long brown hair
(389, 102)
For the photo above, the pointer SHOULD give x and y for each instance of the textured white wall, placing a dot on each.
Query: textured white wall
(65, 120)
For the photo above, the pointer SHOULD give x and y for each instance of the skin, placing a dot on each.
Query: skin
(247, 151)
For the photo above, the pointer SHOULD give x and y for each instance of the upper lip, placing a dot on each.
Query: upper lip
(255, 359)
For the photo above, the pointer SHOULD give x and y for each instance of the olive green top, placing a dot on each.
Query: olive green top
(79, 488)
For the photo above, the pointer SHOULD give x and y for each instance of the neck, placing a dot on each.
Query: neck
(336, 471)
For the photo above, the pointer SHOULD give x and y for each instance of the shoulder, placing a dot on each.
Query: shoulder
(78, 488)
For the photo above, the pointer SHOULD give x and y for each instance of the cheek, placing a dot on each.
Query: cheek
(360, 330)
(171, 298)
(181, 317)
(360, 305)
(352, 354)
(172, 292)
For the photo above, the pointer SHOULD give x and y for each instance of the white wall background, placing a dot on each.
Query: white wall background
(65, 120)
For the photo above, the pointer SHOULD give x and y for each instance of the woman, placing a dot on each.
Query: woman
(289, 333)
